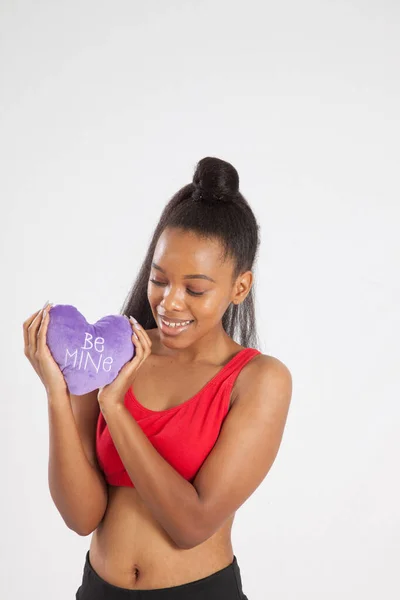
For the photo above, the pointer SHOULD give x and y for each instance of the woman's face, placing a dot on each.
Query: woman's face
(188, 282)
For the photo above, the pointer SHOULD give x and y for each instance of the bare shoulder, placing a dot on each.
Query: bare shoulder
(263, 376)
(267, 363)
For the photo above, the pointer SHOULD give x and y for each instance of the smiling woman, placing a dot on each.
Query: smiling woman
(160, 471)
(218, 245)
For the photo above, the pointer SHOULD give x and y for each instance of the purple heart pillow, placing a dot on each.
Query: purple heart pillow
(89, 356)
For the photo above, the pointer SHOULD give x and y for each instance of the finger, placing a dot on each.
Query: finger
(145, 341)
(144, 335)
(26, 326)
(41, 337)
(139, 352)
(32, 329)
(148, 340)
(136, 339)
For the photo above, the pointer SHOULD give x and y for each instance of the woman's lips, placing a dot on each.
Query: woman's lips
(173, 331)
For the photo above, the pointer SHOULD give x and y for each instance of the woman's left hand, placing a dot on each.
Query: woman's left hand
(113, 394)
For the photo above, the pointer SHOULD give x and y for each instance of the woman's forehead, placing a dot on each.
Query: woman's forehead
(185, 250)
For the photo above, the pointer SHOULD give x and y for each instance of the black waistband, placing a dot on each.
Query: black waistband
(225, 583)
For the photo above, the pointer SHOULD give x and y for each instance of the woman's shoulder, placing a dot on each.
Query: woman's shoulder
(262, 369)
(266, 364)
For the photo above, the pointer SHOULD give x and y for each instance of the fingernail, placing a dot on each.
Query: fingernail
(130, 316)
(44, 305)
(135, 336)
(136, 324)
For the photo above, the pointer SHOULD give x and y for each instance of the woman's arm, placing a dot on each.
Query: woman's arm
(76, 484)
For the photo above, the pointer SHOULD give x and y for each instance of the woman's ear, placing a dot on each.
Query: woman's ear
(242, 287)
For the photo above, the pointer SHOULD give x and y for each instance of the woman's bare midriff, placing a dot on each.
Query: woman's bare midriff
(129, 548)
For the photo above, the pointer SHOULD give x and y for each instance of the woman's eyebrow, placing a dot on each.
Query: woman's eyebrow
(192, 276)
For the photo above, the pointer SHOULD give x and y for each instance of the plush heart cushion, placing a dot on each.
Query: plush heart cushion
(89, 356)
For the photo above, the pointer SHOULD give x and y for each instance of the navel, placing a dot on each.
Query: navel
(136, 573)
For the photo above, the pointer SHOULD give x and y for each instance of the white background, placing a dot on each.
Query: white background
(106, 107)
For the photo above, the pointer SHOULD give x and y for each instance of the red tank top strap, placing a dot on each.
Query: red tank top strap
(236, 363)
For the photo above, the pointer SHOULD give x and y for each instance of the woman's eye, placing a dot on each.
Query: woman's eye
(189, 291)
(195, 293)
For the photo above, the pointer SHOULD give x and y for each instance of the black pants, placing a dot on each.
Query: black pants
(225, 584)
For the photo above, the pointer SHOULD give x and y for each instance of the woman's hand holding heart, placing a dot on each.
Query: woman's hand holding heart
(113, 394)
(37, 352)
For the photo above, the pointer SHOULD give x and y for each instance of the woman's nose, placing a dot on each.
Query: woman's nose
(172, 299)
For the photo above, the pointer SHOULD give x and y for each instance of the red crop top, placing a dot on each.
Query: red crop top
(185, 434)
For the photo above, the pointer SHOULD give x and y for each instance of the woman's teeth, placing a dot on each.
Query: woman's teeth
(173, 325)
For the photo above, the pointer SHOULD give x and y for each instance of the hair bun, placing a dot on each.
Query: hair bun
(215, 180)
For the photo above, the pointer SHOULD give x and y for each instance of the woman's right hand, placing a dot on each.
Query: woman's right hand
(37, 352)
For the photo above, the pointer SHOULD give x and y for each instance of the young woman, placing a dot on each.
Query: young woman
(157, 471)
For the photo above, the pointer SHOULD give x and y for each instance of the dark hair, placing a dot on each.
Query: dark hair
(213, 208)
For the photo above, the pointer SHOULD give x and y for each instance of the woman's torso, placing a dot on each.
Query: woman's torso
(129, 548)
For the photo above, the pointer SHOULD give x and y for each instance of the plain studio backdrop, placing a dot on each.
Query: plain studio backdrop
(105, 110)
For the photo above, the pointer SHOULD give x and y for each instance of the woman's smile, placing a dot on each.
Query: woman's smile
(173, 329)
